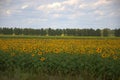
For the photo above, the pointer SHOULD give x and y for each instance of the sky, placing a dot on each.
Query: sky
(60, 14)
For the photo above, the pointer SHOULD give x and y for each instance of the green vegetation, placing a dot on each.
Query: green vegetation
(54, 37)
(60, 32)
(35, 65)
(63, 66)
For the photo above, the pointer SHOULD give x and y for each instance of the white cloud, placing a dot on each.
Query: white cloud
(59, 11)
(99, 12)
(24, 6)
(76, 15)
(8, 12)
(50, 6)
(59, 6)
(5, 2)
(56, 6)
(64, 9)
(57, 15)
(114, 14)
(82, 6)
(71, 2)
(101, 3)
(31, 20)
(12, 12)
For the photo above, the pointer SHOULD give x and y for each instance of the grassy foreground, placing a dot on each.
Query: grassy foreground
(63, 66)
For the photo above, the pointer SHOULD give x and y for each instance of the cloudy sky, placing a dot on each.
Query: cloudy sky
(60, 13)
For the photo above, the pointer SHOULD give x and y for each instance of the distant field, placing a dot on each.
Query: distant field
(57, 37)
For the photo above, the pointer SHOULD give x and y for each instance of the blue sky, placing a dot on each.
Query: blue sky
(60, 13)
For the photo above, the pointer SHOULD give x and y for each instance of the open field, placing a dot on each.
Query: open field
(59, 58)
(57, 37)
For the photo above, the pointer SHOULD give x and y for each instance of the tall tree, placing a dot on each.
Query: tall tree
(7, 31)
(17, 31)
(106, 32)
(117, 32)
(0, 30)
(98, 32)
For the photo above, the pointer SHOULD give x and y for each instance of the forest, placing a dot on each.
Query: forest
(60, 32)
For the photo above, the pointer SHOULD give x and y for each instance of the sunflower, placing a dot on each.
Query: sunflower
(115, 57)
(40, 53)
(42, 59)
(33, 55)
(98, 50)
(103, 55)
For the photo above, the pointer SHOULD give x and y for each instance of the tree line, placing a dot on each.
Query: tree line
(60, 32)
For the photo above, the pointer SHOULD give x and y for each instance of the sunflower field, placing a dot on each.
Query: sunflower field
(93, 59)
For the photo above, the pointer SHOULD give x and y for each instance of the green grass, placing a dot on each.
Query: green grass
(57, 37)
(18, 75)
